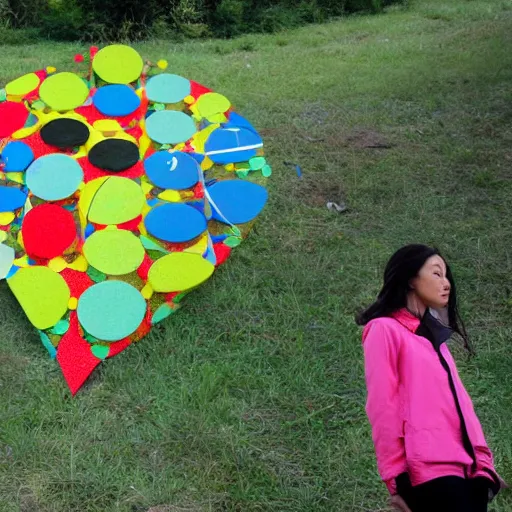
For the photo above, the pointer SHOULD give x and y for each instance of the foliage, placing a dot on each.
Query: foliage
(108, 20)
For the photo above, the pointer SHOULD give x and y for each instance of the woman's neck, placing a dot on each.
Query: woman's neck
(415, 305)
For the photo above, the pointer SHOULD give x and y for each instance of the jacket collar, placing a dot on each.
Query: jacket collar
(428, 327)
(407, 319)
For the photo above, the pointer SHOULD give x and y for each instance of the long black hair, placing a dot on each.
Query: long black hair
(402, 267)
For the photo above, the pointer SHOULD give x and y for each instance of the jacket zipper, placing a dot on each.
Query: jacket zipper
(468, 446)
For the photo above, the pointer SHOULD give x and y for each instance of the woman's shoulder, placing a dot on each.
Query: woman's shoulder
(384, 326)
(384, 322)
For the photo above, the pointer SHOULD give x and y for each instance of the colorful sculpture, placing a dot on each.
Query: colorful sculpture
(120, 192)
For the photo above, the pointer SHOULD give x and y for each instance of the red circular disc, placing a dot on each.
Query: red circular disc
(12, 117)
(47, 231)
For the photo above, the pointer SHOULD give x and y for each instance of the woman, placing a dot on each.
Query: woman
(431, 451)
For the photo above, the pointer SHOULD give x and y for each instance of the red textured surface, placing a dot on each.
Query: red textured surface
(169, 297)
(39, 147)
(77, 282)
(136, 132)
(199, 191)
(188, 148)
(75, 357)
(12, 117)
(131, 225)
(91, 172)
(222, 253)
(197, 90)
(48, 230)
(143, 270)
(144, 328)
(118, 346)
(175, 247)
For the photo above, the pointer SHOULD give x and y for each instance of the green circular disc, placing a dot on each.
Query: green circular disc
(118, 64)
(64, 91)
(22, 85)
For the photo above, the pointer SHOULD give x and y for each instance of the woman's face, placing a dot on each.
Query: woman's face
(431, 284)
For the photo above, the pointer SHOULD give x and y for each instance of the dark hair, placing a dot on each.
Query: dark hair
(403, 266)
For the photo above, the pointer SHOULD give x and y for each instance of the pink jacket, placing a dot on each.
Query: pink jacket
(413, 412)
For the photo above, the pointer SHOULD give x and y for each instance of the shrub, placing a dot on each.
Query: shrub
(25, 13)
(63, 22)
(109, 20)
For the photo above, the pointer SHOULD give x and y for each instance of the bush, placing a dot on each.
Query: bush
(364, 6)
(63, 23)
(227, 19)
(25, 13)
(109, 20)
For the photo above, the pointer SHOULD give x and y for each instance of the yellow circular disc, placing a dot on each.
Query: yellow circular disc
(57, 264)
(212, 103)
(42, 293)
(22, 85)
(114, 252)
(64, 91)
(6, 218)
(179, 271)
(118, 64)
(111, 200)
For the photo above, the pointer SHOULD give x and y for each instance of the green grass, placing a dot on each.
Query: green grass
(252, 397)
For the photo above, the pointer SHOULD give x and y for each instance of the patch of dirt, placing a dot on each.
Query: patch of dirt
(367, 139)
(316, 193)
(359, 139)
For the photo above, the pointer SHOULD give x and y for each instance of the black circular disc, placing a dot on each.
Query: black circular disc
(114, 155)
(65, 133)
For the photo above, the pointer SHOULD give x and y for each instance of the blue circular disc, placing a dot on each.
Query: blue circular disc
(116, 100)
(167, 88)
(111, 310)
(11, 198)
(175, 222)
(231, 145)
(54, 177)
(236, 201)
(176, 171)
(170, 127)
(16, 156)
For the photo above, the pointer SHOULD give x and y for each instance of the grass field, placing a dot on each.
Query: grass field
(252, 397)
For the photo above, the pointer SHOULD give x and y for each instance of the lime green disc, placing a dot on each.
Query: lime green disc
(22, 85)
(42, 293)
(212, 103)
(114, 251)
(179, 271)
(111, 200)
(64, 91)
(118, 64)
